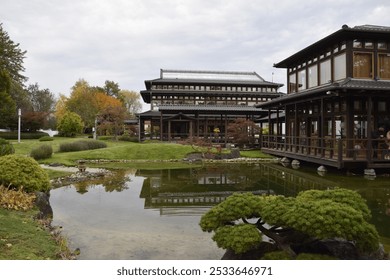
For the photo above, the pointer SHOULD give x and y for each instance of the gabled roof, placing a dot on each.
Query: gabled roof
(369, 32)
(210, 78)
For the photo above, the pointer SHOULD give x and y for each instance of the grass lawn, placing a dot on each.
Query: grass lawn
(116, 150)
(22, 238)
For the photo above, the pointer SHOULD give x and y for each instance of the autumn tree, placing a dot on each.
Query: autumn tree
(242, 131)
(240, 221)
(131, 100)
(111, 120)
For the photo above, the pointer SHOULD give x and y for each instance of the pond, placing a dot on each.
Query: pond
(154, 214)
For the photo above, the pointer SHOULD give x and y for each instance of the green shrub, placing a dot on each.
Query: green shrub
(82, 145)
(6, 148)
(106, 137)
(128, 138)
(42, 152)
(22, 172)
(46, 138)
(13, 135)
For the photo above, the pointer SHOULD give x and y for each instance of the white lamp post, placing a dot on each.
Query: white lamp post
(19, 118)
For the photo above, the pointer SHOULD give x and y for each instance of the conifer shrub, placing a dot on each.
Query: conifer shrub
(6, 148)
(42, 152)
(20, 172)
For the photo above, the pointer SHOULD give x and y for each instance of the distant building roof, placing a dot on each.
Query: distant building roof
(210, 75)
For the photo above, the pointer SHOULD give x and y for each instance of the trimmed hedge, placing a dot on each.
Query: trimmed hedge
(6, 148)
(42, 152)
(22, 172)
(24, 135)
(46, 138)
(82, 145)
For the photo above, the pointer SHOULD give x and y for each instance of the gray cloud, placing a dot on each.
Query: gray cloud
(129, 41)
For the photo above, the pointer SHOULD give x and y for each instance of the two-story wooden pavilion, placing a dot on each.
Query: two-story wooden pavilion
(336, 110)
(187, 103)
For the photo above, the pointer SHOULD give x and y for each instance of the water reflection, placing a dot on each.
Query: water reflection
(154, 214)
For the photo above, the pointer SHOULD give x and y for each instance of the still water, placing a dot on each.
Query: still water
(154, 214)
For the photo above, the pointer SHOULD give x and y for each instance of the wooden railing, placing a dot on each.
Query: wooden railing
(329, 148)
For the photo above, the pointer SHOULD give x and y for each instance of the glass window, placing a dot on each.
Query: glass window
(313, 76)
(339, 67)
(368, 45)
(384, 66)
(362, 65)
(302, 79)
(357, 44)
(325, 73)
(382, 106)
(292, 83)
(382, 46)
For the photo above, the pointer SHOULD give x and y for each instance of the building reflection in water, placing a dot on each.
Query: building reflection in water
(194, 191)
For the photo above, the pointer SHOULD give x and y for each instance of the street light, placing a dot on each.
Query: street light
(19, 121)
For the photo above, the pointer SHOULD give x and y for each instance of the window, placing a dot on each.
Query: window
(362, 65)
(368, 45)
(382, 46)
(357, 44)
(382, 106)
(292, 83)
(384, 66)
(313, 76)
(302, 79)
(325, 73)
(339, 67)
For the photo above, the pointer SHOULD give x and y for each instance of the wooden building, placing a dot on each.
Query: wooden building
(186, 104)
(336, 110)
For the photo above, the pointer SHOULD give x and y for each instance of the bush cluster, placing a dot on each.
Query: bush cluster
(42, 152)
(128, 138)
(46, 138)
(16, 199)
(13, 135)
(82, 145)
(6, 148)
(20, 172)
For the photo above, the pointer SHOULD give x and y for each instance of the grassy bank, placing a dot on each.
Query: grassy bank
(23, 238)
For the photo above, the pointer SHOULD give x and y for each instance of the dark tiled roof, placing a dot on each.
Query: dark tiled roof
(347, 84)
(219, 108)
(364, 84)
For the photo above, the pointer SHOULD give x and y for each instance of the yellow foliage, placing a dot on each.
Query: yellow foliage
(16, 199)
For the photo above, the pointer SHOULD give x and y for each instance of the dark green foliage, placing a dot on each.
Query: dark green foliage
(19, 172)
(231, 237)
(46, 138)
(42, 152)
(128, 138)
(312, 215)
(82, 145)
(6, 148)
(24, 135)
(277, 255)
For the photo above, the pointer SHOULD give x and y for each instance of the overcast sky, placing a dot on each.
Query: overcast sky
(129, 41)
